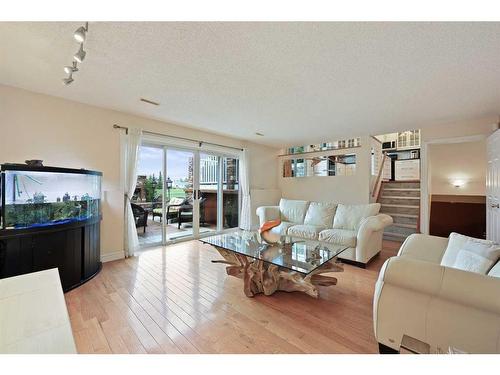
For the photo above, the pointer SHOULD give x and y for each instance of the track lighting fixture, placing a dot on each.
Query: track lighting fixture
(81, 33)
(68, 80)
(71, 69)
(80, 55)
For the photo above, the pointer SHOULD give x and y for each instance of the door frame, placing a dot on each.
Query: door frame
(424, 174)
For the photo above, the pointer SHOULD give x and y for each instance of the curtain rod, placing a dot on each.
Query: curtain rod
(200, 143)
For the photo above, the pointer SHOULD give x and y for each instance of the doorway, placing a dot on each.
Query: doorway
(184, 194)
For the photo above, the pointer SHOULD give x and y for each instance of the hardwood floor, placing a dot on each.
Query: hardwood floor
(174, 300)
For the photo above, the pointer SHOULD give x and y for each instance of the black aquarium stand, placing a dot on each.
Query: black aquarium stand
(73, 248)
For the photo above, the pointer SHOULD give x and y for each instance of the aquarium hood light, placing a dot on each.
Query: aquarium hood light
(80, 35)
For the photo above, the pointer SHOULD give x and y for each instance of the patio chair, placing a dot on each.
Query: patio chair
(172, 208)
(140, 216)
(185, 214)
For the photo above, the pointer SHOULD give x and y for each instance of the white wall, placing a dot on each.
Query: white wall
(464, 161)
(70, 134)
(341, 189)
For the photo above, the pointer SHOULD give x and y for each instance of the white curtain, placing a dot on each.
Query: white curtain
(246, 206)
(133, 148)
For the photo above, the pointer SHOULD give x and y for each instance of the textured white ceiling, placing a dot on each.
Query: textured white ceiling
(294, 82)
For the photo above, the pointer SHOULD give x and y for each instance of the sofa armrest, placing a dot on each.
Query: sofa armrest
(369, 237)
(450, 284)
(375, 223)
(266, 213)
(424, 247)
(369, 225)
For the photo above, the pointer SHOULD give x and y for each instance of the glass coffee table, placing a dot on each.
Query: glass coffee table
(293, 264)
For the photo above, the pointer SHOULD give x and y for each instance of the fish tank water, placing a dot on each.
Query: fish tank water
(42, 198)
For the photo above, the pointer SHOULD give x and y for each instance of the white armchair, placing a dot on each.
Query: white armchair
(444, 307)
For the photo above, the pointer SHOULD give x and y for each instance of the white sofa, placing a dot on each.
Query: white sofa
(360, 227)
(442, 306)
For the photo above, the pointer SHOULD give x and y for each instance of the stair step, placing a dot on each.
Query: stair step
(404, 219)
(400, 193)
(403, 225)
(394, 229)
(401, 185)
(400, 197)
(396, 235)
(401, 189)
(400, 209)
(401, 215)
(400, 201)
(400, 205)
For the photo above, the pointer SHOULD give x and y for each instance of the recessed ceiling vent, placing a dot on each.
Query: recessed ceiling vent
(149, 101)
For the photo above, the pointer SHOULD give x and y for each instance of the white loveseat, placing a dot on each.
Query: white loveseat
(360, 227)
(442, 306)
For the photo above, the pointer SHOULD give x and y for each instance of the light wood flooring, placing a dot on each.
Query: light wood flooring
(174, 300)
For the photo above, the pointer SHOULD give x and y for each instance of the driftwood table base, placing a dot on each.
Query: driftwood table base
(262, 277)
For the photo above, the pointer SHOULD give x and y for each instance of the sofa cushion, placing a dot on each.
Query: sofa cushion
(339, 236)
(310, 232)
(293, 211)
(320, 214)
(282, 229)
(349, 216)
(470, 254)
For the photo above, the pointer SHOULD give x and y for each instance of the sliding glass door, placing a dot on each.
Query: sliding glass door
(231, 192)
(180, 193)
(210, 192)
(185, 194)
(148, 199)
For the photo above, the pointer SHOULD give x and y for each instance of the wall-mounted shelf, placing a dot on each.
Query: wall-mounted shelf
(319, 151)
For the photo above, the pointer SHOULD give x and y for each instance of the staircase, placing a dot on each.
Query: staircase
(401, 200)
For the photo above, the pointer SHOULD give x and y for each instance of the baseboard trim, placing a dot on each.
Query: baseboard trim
(108, 257)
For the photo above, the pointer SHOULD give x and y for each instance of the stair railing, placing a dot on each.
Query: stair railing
(378, 181)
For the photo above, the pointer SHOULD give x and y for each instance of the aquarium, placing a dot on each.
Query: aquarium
(47, 196)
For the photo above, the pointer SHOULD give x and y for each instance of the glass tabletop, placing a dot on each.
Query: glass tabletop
(296, 254)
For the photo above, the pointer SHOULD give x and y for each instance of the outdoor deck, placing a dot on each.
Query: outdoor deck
(152, 236)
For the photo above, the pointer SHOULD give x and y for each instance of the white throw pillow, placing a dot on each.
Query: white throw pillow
(293, 211)
(469, 261)
(458, 253)
(320, 214)
(349, 216)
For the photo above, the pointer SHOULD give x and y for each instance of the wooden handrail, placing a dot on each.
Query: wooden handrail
(376, 186)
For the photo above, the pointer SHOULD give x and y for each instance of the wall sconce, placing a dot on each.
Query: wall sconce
(458, 183)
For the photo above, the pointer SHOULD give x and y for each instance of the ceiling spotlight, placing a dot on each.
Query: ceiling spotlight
(68, 80)
(71, 69)
(80, 55)
(81, 33)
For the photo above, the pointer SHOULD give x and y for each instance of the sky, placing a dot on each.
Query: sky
(151, 159)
